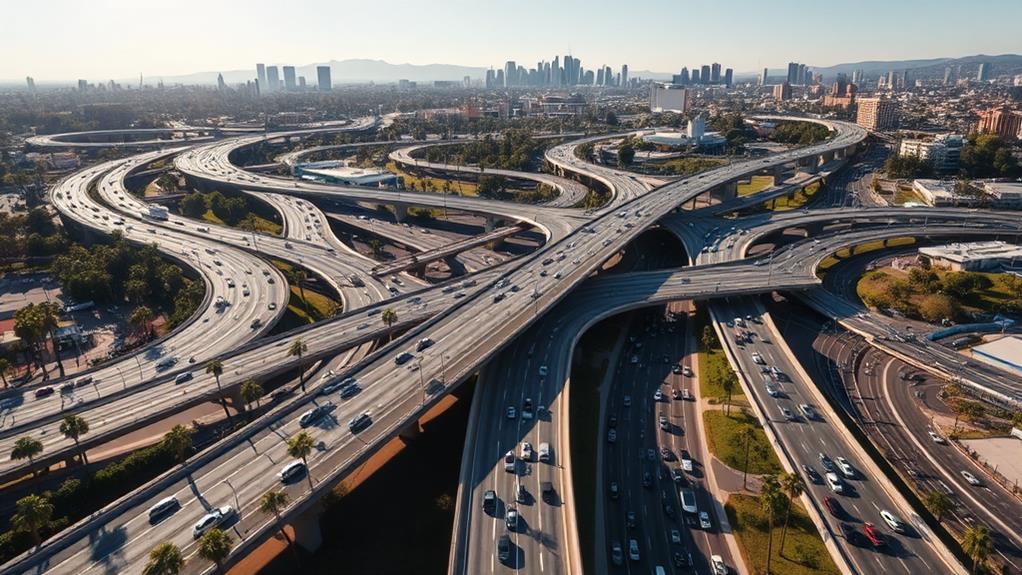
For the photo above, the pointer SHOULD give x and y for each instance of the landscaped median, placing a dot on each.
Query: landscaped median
(727, 442)
(803, 552)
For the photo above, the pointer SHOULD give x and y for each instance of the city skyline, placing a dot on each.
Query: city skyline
(759, 36)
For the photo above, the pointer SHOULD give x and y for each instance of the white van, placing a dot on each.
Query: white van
(688, 501)
(544, 452)
(162, 507)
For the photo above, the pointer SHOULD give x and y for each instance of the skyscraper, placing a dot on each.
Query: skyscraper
(856, 76)
(983, 74)
(685, 79)
(261, 75)
(704, 74)
(599, 77)
(220, 85)
(715, 73)
(499, 80)
(802, 80)
(763, 78)
(624, 76)
(947, 75)
(695, 76)
(792, 72)
(30, 83)
(555, 72)
(510, 74)
(272, 79)
(729, 75)
(323, 77)
(289, 78)
(782, 91)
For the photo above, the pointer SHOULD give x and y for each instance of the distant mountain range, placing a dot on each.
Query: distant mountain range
(919, 69)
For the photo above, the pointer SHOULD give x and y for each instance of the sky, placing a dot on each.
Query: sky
(101, 39)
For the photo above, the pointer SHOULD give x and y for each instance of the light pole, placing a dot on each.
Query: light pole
(422, 383)
(139, 363)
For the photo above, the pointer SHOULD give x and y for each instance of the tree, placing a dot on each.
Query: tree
(140, 318)
(301, 446)
(216, 367)
(791, 487)
(938, 503)
(33, 512)
(977, 544)
(27, 448)
(709, 338)
(770, 496)
(744, 438)
(611, 118)
(193, 205)
(625, 155)
(297, 349)
(215, 545)
(376, 247)
(179, 440)
(728, 382)
(274, 502)
(389, 318)
(73, 427)
(164, 559)
(251, 391)
(936, 307)
(299, 277)
(5, 367)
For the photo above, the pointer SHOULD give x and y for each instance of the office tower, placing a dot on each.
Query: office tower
(555, 72)
(510, 73)
(261, 74)
(685, 79)
(856, 76)
(289, 78)
(877, 114)
(983, 74)
(500, 83)
(83, 85)
(792, 72)
(491, 80)
(599, 77)
(695, 76)
(272, 79)
(890, 80)
(729, 76)
(624, 76)
(947, 75)
(301, 83)
(802, 74)
(715, 73)
(587, 78)
(782, 91)
(547, 77)
(220, 85)
(906, 82)
(30, 83)
(323, 78)
(1002, 121)
(704, 74)
(466, 82)
(763, 78)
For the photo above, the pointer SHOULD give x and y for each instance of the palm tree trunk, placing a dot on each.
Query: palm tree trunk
(784, 531)
(56, 354)
(223, 401)
(81, 452)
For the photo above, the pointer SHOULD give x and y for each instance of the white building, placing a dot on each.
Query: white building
(668, 98)
(1004, 194)
(939, 193)
(336, 172)
(944, 151)
(974, 256)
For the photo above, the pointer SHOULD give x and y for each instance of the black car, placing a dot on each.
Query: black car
(630, 519)
(614, 490)
(549, 495)
(490, 501)
(612, 421)
(811, 474)
(853, 535)
(647, 480)
(679, 560)
(360, 422)
(678, 475)
(403, 358)
(504, 548)
(44, 391)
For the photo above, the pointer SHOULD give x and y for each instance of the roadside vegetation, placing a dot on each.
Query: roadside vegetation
(754, 185)
(740, 442)
(234, 211)
(758, 523)
(934, 295)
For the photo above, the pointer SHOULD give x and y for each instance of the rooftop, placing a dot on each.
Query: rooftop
(974, 251)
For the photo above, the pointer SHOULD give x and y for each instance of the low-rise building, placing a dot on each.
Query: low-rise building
(337, 172)
(1004, 194)
(940, 193)
(944, 152)
(668, 98)
(972, 256)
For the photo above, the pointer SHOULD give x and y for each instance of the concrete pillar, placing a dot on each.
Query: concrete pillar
(307, 531)
(400, 212)
(411, 431)
(778, 174)
(491, 222)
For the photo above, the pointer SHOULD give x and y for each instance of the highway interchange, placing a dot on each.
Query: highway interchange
(466, 335)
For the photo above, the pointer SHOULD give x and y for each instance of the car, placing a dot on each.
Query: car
(846, 468)
(811, 474)
(403, 358)
(686, 460)
(892, 521)
(633, 550)
(183, 377)
(757, 358)
(679, 560)
(349, 387)
(490, 501)
(511, 412)
(504, 548)
(808, 411)
(166, 363)
(526, 451)
(423, 344)
(676, 370)
(511, 519)
(676, 393)
(719, 567)
(658, 395)
(827, 463)
(936, 438)
(786, 413)
(972, 479)
(875, 537)
(666, 454)
(650, 454)
(630, 520)
(614, 490)
(311, 415)
(833, 507)
(664, 424)
(687, 371)
(212, 519)
(163, 507)
(291, 470)
(360, 422)
(543, 371)
(626, 401)
(688, 501)
(617, 556)
(647, 480)
(611, 435)
(521, 494)
(704, 520)
(686, 395)
(527, 408)
(67, 387)
(835, 483)
(272, 306)
(83, 381)
(612, 421)
(677, 475)
(510, 462)
(852, 535)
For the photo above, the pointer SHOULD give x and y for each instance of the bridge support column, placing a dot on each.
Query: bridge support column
(411, 431)
(491, 223)
(400, 213)
(307, 531)
(778, 174)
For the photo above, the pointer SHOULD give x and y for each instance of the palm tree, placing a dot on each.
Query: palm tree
(5, 366)
(140, 319)
(769, 496)
(274, 502)
(977, 543)
(179, 441)
(299, 277)
(32, 514)
(27, 448)
(792, 487)
(215, 546)
(746, 434)
(389, 318)
(164, 559)
(73, 427)
(301, 446)
(216, 367)
(297, 349)
(51, 320)
(938, 503)
(251, 391)
(728, 382)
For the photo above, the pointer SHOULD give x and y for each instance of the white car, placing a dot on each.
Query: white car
(526, 451)
(212, 519)
(846, 468)
(719, 568)
(892, 521)
(757, 358)
(972, 479)
(509, 462)
(511, 412)
(835, 483)
(936, 438)
(704, 520)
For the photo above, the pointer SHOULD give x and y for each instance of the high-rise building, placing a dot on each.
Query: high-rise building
(1002, 121)
(30, 83)
(668, 98)
(499, 80)
(555, 72)
(704, 73)
(83, 85)
(792, 72)
(323, 81)
(763, 78)
(891, 83)
(729, 75)
(301, 83)
(983, 74)
(491, 80)
(510, 74)
(599, 77)
(802, 80)
(695, 76)
(261, 75)
(877, 114)
(289, 79)
(684, 77)
(944, 152)
(857, 77)
(715, 73)
(220, 85)
(782, 91)
(624, 76)
(272, 79)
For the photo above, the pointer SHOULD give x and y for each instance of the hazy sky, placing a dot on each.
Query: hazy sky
(102, 39)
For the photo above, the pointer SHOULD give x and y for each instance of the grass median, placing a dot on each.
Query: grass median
(803, 553)
(723, 436)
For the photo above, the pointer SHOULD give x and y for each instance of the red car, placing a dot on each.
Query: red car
(873, 534)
